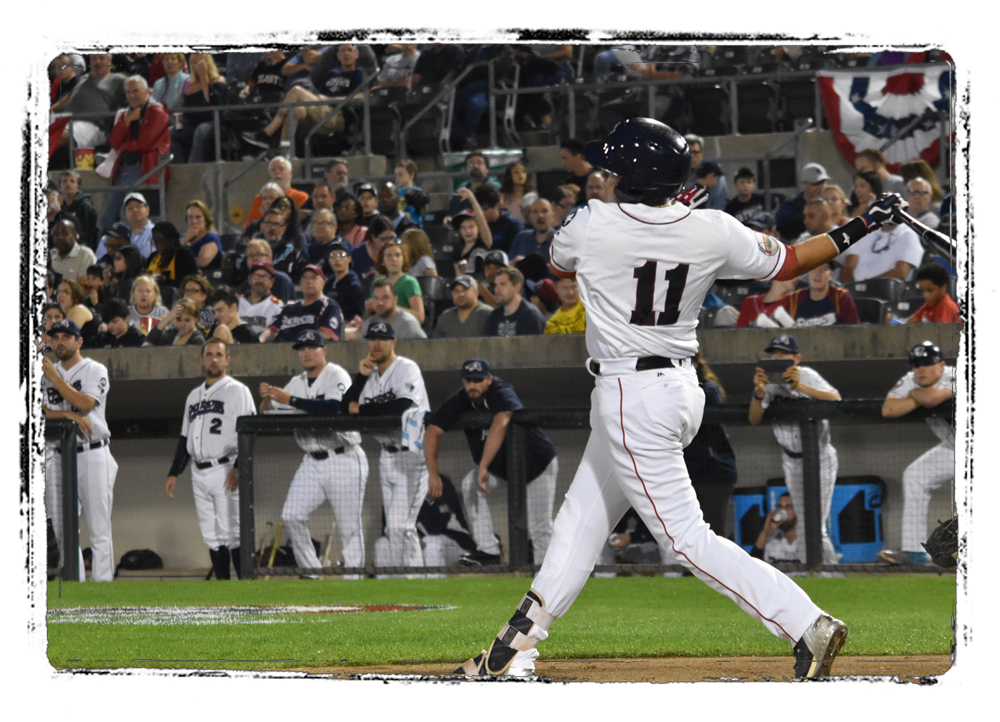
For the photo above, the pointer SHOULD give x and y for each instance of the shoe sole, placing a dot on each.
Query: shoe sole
(821, 667)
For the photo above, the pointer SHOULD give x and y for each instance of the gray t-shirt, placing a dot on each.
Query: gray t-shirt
(405, 324)
(449, 325)
(104, 95)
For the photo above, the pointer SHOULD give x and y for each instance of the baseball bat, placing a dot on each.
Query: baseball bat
(328, 554)
(274, 547)
(262, 547)
(939, 241)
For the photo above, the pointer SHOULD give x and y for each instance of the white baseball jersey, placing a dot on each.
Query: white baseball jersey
(210, 415)
(331, 383)
(941, 427)
(402, 379)
(676, 255)
(788, 433)
(88, 377)
(259, 315)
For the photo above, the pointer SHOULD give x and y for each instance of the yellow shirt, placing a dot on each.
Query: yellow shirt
(571, 321)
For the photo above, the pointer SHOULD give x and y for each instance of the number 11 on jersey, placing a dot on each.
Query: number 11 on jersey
(643, 314)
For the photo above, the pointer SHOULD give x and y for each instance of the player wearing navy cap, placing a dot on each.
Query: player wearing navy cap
(387, 384)
(77, 388)
(929, 384)
(334, 468)
(483, 391)
(644, 264)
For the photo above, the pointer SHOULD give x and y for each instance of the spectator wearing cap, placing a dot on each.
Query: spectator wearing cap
(118, 332)
(473, 233)
(747, 202)
(80, 205)
(225, 304)
(388, 207)
(111, 242)
(536, 239)
(492, 262)
(481, 390)
(385, 309)
(393, 264)
(171, 262)
(513, 315)
(798, 382)
(70, 259)
(467, 318)
(368, 199)
(314, 312)
(141, 134)
(258, 306)
(343, 285)
(718, 194)
(259, 254)
(137, 217)
(365, 256)
(570, 316)
(503, 226)
(790, 218)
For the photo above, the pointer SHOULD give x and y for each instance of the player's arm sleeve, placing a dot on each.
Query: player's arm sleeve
(181, 458)
(318, 407)
(445, 415)
(750, 254)
(396, 407)
(567, 244)
(354, 392)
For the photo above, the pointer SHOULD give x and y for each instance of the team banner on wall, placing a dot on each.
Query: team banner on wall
(866, 108)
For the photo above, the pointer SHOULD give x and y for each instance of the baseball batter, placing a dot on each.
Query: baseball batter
(77, 388)
(799, 382)
(644, 265)
(334, 468)
(389, 384)
(929, 384)
(209, 440)
(481, 390)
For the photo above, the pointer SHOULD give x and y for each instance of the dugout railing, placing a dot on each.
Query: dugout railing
(808, 414)
(63, 432)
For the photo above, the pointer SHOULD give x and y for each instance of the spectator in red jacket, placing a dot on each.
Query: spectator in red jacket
(141, 134)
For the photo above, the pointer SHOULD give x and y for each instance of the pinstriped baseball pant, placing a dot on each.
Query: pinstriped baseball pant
(927, 473)
(404, 480)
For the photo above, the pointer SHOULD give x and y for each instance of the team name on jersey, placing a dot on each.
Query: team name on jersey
(389, 395)
(56, 398)
(213, 406)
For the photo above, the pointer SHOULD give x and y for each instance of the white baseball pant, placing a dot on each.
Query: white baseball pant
(641, 421)
(439, 550)
(218, 508)
(404, 480)
(927, 473)
(96, 471)
(340, 480)
(54, 505)
(540, 493)
(828, 465)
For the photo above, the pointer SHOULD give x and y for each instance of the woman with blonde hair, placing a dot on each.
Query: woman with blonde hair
(201, 238)
(393, 263)
(837, 200)
(178, 328)
(418, 246)
(194, 133)
(146, 305)
(168, 91)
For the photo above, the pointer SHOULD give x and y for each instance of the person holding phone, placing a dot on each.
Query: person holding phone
(782, 377)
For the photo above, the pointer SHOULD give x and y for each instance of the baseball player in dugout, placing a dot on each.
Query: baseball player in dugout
(929, 384)
(483, 391)
(798, 382)
(387, 384)
(334, 468)
(77, 388)
(209, 440)
(644, 264)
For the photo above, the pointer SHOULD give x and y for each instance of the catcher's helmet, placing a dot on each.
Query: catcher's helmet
(652, 160)
(925, 354)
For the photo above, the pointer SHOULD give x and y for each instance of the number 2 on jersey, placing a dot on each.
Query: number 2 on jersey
(643, 314)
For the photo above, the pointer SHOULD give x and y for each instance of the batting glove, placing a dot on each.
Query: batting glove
(694, 196)
(881, 212)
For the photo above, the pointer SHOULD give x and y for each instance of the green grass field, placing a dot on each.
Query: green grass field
(899, 614)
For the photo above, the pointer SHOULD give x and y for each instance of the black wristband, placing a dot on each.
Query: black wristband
(848, 234)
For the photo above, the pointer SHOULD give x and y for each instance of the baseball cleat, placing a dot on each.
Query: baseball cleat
(479, 559)
(499, 661)
(815, 652)
(902, 559)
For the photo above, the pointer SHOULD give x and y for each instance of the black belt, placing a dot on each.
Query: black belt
(320, 455)
(210, 464)
(393, 449)
(792, 454)
(644, 363)
(80, 448)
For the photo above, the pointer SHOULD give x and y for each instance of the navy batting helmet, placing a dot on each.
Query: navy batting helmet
(926, 354)
(652, 159)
